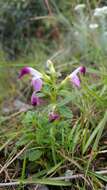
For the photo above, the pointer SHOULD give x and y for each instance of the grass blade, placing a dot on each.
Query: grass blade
(95, 132)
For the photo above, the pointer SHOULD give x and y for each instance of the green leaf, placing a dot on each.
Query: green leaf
(40, 174)
(53, 169)
(65, 101)
(26, 138)
(29, 117)
(65, 93)
(47, 181)
(34, 155)
(100, 176)
(22, 141)
(65, 112)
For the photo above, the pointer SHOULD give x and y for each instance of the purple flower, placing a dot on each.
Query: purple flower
(35, 100)
(36, 77)
(53, 116)
(74, 77)
(37, 84)
(31, 71)
(82, 70)
(24, 71)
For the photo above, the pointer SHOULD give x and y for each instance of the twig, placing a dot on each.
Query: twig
(7, 176)
(6, 173)
(48, 7)
(11, 116)
(14, 114)
(13, 159)
(9, 184)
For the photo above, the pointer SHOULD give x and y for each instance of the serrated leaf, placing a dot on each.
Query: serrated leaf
(65, 101)
(30, 115)
(65, 112)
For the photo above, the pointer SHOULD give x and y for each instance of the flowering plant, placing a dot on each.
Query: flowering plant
(42, 82)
